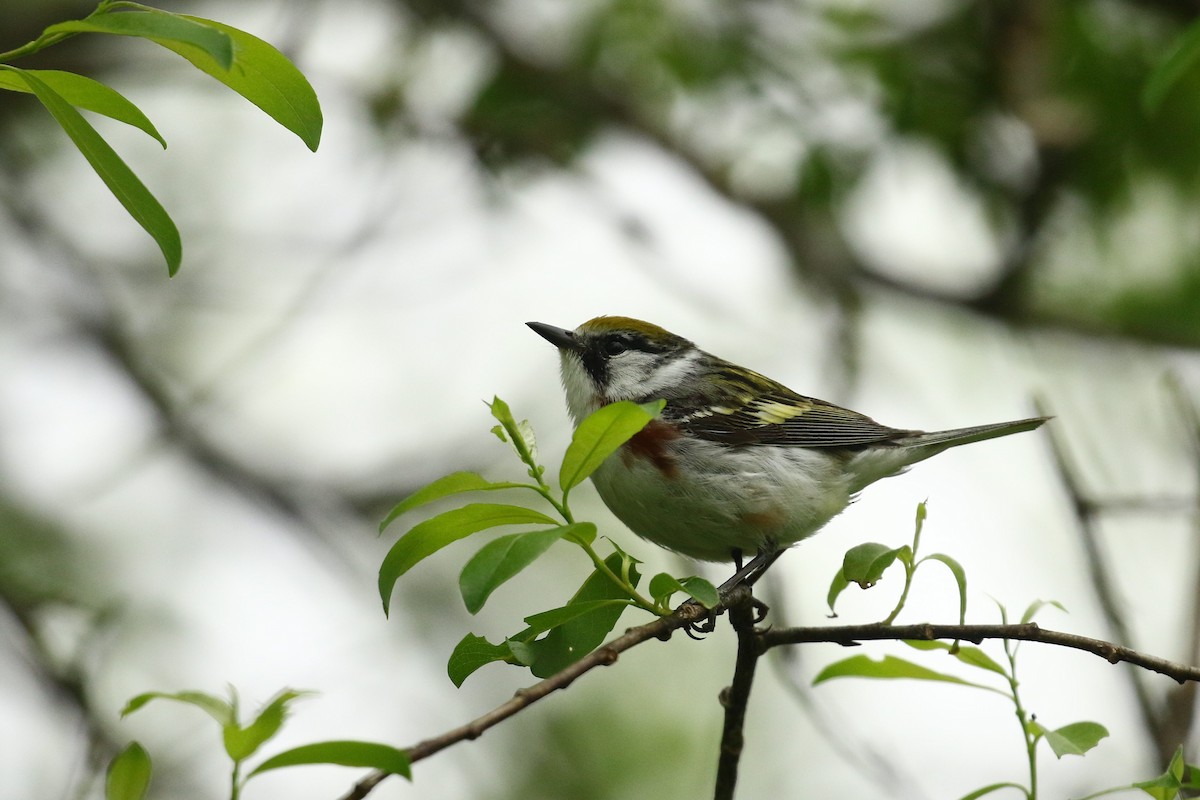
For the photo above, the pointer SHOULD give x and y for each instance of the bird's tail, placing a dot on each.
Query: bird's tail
(937, 441)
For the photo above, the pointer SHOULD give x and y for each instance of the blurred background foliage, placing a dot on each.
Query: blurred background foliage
(990, 163)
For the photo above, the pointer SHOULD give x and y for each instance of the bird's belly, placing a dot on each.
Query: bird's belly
(717, 498)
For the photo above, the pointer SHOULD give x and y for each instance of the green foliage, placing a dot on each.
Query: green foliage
(129, 772)
(559, 636)
(128, 775)
(244, 63)
(1076, 738)
(865, 564)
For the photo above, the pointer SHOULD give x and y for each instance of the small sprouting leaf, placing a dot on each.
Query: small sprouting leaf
(157, 26)
(215, 707)
(128, 774)
(382, 757)
(501, 559)
(599, 435)
(865, 564)
(1035, 607)
(960, 577)
(454, 483)
(433, 534)
(498, 431)
(117, 176)
(548, 620)
(1174, 65)
(836, 587)
(471, 653)
(889, 667)
(1075, 739)
(83, 92)
(243, 742)
(972, 656)
(662, 586)
(508, 425)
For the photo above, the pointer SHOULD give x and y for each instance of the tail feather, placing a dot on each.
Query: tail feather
(936, 441)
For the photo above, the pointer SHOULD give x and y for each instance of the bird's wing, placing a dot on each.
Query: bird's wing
(778, 416)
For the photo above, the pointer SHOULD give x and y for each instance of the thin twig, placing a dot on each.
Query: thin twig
(850, 635)
(735, 698)
(661, 628)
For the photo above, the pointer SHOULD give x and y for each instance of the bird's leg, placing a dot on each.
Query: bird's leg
(752, 571)
(737, 558)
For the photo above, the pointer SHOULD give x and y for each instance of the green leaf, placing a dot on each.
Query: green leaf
(128, 775)
(547, 620)
(215, 707)
(960, 577)
(890, 667)
(473, 652)
(266, 78)
(433, 534)
(836, 587)
(572, 640)
(501, 559)
(454, 483)
(865, 564)
(382, 757)
(157, 26)
(1075, 739)
(1174, 65)
(119, 179)
(243, 742)
(972, 656)
(994, 787)
(599, 435)
(83, 92)
(662, 586)
(1038, 605)
(515, 431)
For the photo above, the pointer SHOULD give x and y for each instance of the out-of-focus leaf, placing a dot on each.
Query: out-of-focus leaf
(128, 775)
(1179, 59)
(119, 179)
(83, 92)
(1038, 605)
(992, 787)
(382, 757)
(433, 534)
(243, 742)
(215, 707)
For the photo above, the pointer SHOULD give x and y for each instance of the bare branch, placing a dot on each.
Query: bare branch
(661, 628)
(735, 698)
(850, 635)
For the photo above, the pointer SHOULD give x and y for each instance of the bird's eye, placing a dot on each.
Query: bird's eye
(614, 346)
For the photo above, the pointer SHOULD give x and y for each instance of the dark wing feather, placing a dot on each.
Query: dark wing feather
(747, 415)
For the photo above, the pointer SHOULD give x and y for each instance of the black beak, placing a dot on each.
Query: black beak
(561, 338)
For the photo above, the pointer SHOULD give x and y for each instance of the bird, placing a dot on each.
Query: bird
(737, 464)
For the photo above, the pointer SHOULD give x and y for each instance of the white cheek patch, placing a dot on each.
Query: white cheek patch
(657, 377)
(582, 395)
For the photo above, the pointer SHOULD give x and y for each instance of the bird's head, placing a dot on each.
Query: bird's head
(608, 359)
